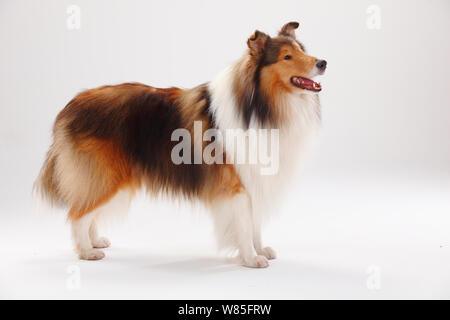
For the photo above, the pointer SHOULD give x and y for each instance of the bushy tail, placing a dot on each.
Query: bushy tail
(46, 185)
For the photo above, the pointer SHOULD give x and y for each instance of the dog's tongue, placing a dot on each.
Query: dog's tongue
(306, 83)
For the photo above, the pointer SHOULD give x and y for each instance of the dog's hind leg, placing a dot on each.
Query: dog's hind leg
(81, 230)
(84, 231)
(115, 207)
(85, 225)
(96, 240)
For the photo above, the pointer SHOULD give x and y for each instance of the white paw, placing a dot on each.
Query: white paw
(268, 252)
(256, 262)
(91, 254)
(101, 242)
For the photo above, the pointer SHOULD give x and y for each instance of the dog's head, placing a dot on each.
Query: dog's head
(282, 63)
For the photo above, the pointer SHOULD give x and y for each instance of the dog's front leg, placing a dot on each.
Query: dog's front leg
(267, 252)
(234, 227)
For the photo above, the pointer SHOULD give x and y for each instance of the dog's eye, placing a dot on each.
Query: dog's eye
(287, 57)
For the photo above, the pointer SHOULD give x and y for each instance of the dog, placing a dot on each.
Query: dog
(121, 138)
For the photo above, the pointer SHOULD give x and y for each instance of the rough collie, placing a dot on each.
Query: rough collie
(121, 138)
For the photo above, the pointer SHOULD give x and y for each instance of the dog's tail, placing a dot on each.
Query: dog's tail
(46, 185)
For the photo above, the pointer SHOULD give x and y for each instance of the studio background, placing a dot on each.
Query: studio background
(370, 217)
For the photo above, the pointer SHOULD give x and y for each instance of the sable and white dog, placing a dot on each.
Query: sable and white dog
(117, 138)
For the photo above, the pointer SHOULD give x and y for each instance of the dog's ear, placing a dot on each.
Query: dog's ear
(257, 42)
(288, 29)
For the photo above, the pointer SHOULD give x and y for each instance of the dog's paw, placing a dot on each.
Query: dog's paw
(92, 254)
(101, 242)
(256, 262)
(268, 252)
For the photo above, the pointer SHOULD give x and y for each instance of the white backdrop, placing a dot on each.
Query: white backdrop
(375, 197)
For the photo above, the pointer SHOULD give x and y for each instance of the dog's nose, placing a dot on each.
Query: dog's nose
(321, 65)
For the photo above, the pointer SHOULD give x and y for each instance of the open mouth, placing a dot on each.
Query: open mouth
(306, 84)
